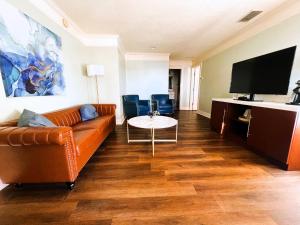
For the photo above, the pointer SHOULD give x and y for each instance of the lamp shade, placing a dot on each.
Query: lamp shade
(95, 70)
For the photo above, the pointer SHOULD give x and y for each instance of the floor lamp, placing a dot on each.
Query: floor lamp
(95, 71)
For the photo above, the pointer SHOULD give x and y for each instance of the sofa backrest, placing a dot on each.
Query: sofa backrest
(65, 117)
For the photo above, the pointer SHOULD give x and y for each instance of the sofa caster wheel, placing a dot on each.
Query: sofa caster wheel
(70, 185)
(18, 185)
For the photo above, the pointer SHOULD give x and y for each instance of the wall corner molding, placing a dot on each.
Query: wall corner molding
(120, 120)
(53, 12)
(179, 64)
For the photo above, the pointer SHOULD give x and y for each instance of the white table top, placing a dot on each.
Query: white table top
(156, 122)
(271, 105)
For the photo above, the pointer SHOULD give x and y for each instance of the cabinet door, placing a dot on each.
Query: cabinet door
(218, 115)
(270, 132)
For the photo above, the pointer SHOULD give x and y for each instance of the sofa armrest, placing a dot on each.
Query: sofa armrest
(22, 136)
(105, 109)
(37, 155)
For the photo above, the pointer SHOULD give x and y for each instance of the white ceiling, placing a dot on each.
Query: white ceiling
(183, 28)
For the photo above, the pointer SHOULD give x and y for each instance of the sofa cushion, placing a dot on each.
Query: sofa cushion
(85, 139)
(32, 119)
(88, 112)
(99, 124)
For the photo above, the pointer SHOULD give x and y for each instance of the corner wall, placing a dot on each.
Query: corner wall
(216, 70)
(80, 89)
(112, 84)
(76, 91)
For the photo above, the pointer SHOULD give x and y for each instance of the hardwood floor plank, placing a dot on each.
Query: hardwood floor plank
(146, 207)
(201, 180)
(250, 218)
(29, 213)
(131, 189)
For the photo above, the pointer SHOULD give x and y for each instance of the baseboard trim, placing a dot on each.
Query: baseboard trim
(120, 121)
(205, 114)
(184, 108)
(2, 186)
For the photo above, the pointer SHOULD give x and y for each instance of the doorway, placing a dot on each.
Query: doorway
(174, 86)
(194, 88)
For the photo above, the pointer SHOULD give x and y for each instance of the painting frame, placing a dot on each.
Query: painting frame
(30, 56)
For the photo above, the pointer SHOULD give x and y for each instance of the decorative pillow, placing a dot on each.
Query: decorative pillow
(32, 119)
(88, 112)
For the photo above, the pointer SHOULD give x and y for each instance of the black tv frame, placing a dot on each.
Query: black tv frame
(252, 95)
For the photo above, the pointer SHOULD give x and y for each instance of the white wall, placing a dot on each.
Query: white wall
(76, 84)
(147, 77)
(216, 70)
(112, 84)
(122, 80)
(185, 88)
(80, 89)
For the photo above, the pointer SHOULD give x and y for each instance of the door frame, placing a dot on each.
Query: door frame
(179, 88)
(185, 81)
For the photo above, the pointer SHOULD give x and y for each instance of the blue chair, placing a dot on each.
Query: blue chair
(133, 106)
(162, 103)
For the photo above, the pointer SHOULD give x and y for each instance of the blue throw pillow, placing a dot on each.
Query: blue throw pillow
(88, 112)
(32, 119)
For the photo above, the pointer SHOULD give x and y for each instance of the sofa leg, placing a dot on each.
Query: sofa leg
(70, 185)
(18, 185)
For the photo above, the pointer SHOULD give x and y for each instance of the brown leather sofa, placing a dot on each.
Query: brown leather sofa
(50, 155)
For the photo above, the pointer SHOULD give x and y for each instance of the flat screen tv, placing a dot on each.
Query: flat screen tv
(266, 74)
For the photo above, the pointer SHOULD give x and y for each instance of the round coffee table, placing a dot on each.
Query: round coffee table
(156, 122)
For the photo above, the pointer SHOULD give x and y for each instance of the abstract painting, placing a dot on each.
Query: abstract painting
(30, 56)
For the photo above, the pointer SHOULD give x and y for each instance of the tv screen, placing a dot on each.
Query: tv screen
(266, 74)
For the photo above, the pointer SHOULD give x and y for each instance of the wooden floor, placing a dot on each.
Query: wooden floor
(201, 180)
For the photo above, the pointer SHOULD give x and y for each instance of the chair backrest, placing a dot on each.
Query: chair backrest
(130, 98)
(162, 98)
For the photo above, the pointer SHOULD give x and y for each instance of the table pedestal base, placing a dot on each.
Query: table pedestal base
(153, 140)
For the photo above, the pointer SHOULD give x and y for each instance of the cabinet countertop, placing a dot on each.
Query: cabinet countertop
(271, 105)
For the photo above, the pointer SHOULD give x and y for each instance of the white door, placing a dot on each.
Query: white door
(195, 78)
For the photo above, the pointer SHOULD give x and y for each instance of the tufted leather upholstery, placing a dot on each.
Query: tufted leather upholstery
(105, 109)
(65, 117)
(25, 136)
(56, 154)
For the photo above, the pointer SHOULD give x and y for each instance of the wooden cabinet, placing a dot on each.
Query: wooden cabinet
(273, 133)
(218, 116)
(270, 132)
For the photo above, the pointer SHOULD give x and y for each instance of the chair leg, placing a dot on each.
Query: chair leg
(70, 185)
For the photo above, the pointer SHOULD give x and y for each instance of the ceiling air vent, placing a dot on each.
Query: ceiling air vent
(250, 16)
